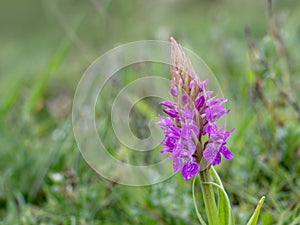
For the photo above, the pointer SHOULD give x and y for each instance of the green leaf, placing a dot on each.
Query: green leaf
(250, 77)
(12, 97)
(224, 209)
(202, 222)
(254, 217)
(296, 221)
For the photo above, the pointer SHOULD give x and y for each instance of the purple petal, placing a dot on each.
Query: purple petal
(208, 94)
(188, 130)
(217, 160)
(171, 112)
(166, 150)
(173, 132)
(187, 113)
(189, 170)
(191, 147)
(226, 152)
(167, 103)
(210, 128)
(177, 164)
(215, 109)
(165, 121)
(228, 133)
(202, 85)
(214, 112)
(185, 98)
(210, 152)
(178, 150)
(193, 83)
(174, 91)
(199, 102)
(170, 142)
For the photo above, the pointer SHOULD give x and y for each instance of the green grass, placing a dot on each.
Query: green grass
(46, 47)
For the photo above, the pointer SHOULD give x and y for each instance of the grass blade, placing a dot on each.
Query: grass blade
(253, 220)
(224, 208)
(41, 84)
(202, 222)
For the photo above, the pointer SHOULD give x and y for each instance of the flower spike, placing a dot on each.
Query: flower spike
(192, 114)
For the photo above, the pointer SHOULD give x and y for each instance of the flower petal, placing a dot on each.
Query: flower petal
(189, 170)
(217, 160)
(210, 152)
(199, 102)
(226, 152)
(177, 164)
(171, 112)
(169, 104)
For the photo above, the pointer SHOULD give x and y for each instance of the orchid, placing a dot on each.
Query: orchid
(193, 138)
(191, 115)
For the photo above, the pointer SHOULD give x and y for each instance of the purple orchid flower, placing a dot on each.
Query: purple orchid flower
(192, 114)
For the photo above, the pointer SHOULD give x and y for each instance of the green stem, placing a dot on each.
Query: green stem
(209, 198)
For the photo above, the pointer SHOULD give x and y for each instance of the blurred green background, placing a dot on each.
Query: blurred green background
(45, 46)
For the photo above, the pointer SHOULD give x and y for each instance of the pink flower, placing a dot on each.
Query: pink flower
(192, 111)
